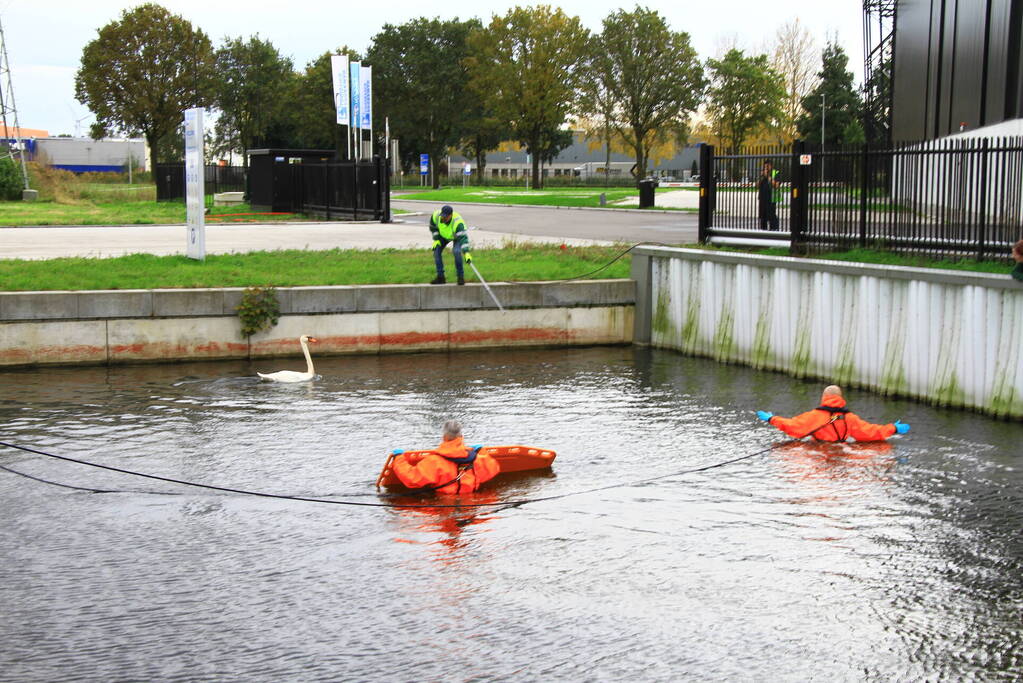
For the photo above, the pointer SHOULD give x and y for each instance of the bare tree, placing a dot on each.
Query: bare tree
(795, 58)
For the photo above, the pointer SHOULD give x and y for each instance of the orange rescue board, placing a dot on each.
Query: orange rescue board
(510, 458)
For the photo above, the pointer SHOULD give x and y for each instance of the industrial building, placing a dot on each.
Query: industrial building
(958, 68)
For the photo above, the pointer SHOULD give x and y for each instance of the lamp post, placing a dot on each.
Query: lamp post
(824, 113)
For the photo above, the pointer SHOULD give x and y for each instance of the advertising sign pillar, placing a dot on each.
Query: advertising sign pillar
(195, 195)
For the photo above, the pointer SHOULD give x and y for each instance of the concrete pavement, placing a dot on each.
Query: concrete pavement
(490, 226)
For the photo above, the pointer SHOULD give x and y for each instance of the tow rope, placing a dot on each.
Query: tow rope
(328, 501)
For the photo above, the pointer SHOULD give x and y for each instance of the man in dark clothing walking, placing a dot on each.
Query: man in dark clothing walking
(766, 200)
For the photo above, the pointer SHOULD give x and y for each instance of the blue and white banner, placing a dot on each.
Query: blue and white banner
(366, 97)
(424, 164)
(356, 115)
(339, 75)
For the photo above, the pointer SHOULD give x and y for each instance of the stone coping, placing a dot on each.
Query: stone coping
(949, 277)
(191, 303)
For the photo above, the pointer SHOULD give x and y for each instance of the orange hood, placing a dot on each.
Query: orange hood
(455, 448)
(833, 401)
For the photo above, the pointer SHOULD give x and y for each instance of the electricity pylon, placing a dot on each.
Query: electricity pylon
(8, 112)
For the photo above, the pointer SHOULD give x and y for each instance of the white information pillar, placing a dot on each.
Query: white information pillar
(195, 176)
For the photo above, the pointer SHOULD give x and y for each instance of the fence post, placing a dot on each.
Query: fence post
(982, 203)
(706, 199)
(863, 196)
(384, 172)
(797, 213)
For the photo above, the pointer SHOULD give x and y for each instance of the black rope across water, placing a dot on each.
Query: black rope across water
(328, 501)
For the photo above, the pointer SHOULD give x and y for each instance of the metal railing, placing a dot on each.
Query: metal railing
(952, 198)
(170, 181)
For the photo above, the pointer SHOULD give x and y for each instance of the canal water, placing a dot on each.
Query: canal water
(894, 561)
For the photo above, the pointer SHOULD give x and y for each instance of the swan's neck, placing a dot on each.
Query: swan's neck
(308, 358)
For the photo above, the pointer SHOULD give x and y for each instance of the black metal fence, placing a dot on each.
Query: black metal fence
(170, 181)
(337, 190)
(959, 198)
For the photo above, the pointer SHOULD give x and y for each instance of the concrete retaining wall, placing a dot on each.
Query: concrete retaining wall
(95, 327)
(947, 337)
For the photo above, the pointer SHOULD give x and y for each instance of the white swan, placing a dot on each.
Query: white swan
(291, 375)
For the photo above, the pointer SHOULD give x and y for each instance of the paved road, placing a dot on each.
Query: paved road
(491, 226)
(670, 227)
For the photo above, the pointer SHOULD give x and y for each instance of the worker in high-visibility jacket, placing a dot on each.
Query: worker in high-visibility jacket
(451, 469)
(447, 226)
(832, 421)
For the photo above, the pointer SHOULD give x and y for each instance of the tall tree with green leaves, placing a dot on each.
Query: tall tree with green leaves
(649, 75)
(525, 67)
(745, 96)
(252, 88)
(418, 84)
(836, 100)
(141, 72)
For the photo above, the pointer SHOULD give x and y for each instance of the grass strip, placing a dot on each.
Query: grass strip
(581, 196)
(287, 268)
(124, 213)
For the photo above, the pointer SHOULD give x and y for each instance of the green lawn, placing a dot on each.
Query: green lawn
(121, 213)
(526, 262)
(579, 196)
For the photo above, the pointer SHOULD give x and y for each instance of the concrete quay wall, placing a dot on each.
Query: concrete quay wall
(946, 337)
(128, 326)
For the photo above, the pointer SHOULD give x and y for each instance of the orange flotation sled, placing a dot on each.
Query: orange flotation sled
(510, 458)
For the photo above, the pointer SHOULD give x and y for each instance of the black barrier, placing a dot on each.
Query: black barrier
(951, 198)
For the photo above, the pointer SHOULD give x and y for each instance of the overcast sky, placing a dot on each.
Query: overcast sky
(45, 38)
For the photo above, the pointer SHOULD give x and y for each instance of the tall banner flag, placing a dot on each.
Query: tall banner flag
(339, 74)
(354, 70)
(366, 97)
(195, 177)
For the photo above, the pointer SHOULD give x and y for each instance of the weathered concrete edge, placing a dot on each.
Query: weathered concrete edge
(937, 275)
(191, 303)
(139, 340)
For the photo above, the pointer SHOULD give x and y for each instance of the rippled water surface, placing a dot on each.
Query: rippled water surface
(897, 561)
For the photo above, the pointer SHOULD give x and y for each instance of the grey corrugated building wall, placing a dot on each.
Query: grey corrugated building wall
(958, 66)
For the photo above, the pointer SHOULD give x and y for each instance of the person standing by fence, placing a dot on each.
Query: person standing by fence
(768, 211)
(1017, 256)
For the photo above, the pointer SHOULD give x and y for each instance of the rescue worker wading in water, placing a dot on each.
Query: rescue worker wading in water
(832, 421)
(451, 469)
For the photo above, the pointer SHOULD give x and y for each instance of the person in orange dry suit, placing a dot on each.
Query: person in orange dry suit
(451, 469)
(832, 421)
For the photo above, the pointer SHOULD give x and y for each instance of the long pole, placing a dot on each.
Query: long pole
(485, 285)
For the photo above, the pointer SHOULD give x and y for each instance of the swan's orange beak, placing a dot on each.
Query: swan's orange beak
(313, 339)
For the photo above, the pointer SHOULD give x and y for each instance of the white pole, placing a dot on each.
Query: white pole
(485, 285)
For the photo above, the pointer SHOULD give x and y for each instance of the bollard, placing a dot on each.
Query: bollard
(603, 199)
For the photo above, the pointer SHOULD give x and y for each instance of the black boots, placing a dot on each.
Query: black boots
(461, 280)
(439, 280)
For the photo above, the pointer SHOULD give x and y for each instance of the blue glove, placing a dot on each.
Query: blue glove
(901, 427)
(764, 415)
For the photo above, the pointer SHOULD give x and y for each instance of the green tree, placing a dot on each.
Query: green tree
(650, 75)
(483, 133)
(525, 68)
(835, 98)
(418, 79)
(11, 181)
(745, 96)
(252, 89)
(143, 71)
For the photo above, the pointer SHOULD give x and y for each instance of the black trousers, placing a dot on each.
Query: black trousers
(768, 216)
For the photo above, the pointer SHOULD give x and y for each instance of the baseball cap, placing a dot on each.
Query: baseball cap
(446, 211)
